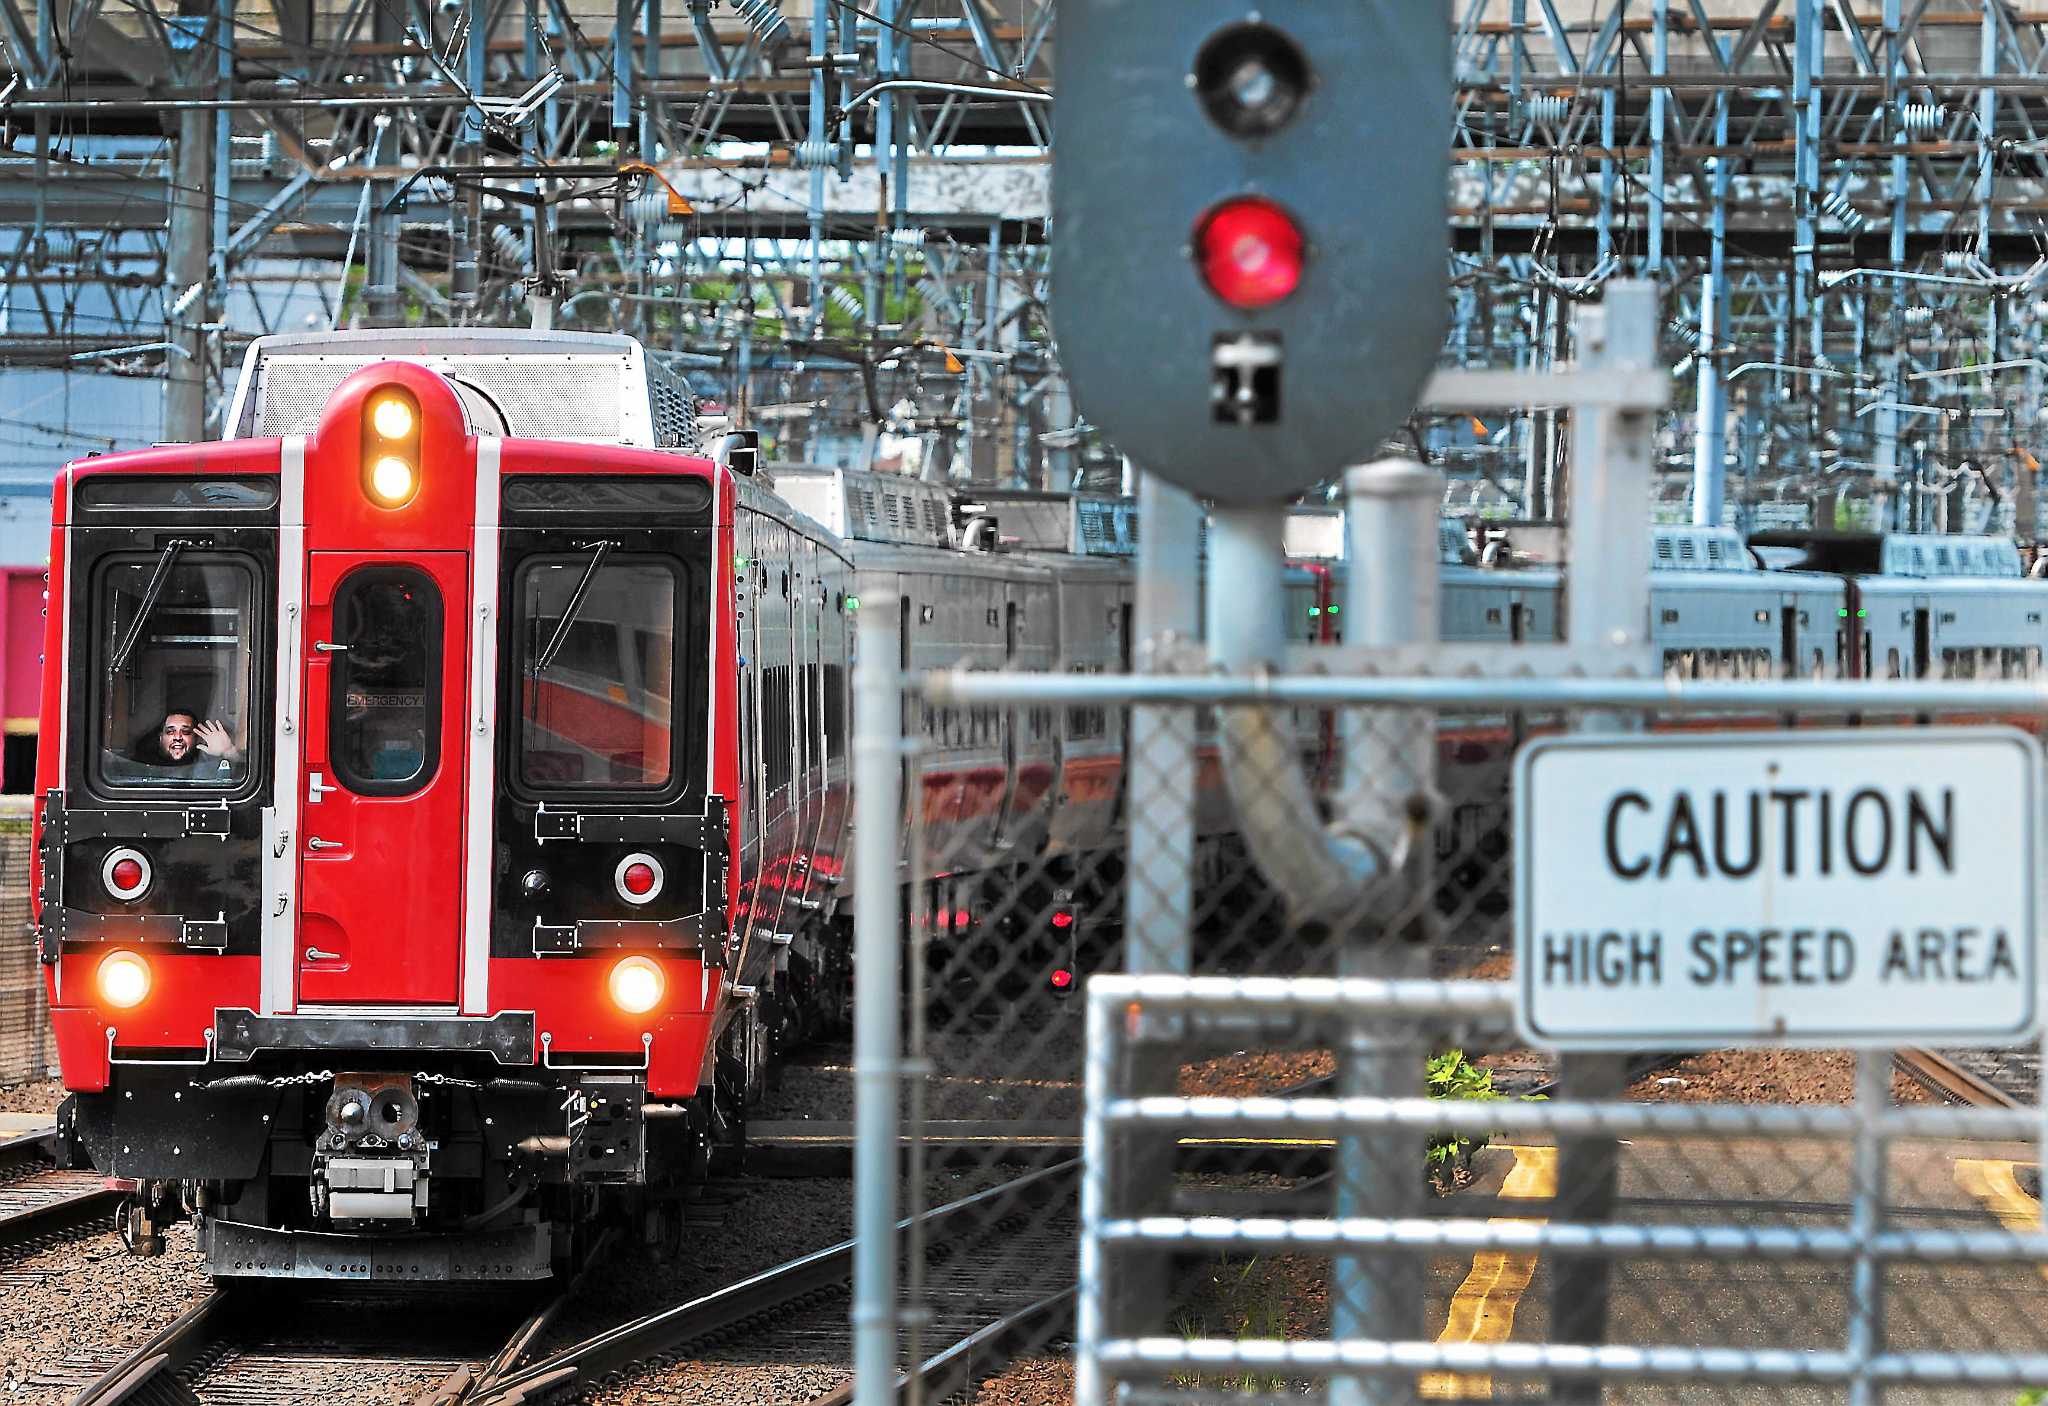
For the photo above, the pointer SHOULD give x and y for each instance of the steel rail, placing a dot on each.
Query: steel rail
(629, 1344)
(165, 1353)
(957, 1367)
(1946, 1079)
(58, 1201)
(73, 1203)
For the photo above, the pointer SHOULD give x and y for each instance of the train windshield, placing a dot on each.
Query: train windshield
(175, 634)
(597, 670)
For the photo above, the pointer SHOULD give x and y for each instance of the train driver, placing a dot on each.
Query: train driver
(183, 748)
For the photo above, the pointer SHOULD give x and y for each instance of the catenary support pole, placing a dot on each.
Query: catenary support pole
(190, 254)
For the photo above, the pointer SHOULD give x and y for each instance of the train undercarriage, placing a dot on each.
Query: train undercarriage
(390, 1154)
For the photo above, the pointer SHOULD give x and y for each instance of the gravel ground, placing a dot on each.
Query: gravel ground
(1764, 1076)
(36, 1096)
(73, 1309)
(1250, 1073)
(1029, 1381)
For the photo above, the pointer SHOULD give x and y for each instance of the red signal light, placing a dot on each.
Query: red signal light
(638, 878)
(127, 875)
(1061, 979)
(1251, 252)
(1063, 919)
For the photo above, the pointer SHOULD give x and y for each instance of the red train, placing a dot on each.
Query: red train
(407, 884)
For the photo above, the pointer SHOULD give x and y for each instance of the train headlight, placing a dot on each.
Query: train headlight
(391, 481)
(391, 417)
(123, 979)
(636, 985)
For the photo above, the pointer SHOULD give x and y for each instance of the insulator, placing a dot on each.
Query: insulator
(1547, 107)
(907, 238)
(650, 206)
(1842, 210)
(813, 156)
(765, 19)
(843, 298)
(509, 243)
(1955, 260)
(1920, 316)
(1922, 117)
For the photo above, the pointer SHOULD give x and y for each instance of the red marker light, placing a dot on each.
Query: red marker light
(127, 875)
(1063, 919)
(638, 879)
(1061, 979)
(1251, 252)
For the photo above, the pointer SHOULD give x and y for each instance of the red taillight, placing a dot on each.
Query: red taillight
(126, 873)
(1062, 919)
(1251, 252)
(638, 878)
(1061, 979)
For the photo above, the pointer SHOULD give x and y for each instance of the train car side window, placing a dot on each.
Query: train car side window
(174, 673)
(597, 665)
(384, 720)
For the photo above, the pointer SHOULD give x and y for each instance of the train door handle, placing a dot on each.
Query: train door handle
(325, 648)
(314, 954)
(316, 787)
(313, 842)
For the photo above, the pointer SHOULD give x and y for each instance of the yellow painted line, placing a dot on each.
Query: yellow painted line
(1483, 1308)
(1996, 1186)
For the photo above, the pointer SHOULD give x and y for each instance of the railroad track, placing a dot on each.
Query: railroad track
(1002, 1276)
(257, 1343)
(1946, 1079)
(38, 1203)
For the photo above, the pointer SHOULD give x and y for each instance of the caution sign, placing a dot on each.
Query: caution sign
(1872, 887)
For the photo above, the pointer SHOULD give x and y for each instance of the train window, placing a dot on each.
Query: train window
(175, 672)
(383, 727)
(596, 672)
(835, 711)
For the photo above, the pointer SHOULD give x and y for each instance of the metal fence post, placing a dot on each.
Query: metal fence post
(877, 928)
(1866, 1219)
(1608, 610)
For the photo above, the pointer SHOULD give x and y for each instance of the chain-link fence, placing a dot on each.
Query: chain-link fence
(25, 1046)
(1319, 1159)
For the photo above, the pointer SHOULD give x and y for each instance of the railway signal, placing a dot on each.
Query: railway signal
(1267, 309)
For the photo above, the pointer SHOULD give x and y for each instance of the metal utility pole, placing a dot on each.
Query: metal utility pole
(191, 200)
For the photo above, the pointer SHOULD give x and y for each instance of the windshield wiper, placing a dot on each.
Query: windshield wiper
(569, 612)
(158, 579)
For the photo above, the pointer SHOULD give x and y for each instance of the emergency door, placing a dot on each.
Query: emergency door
(382, 772)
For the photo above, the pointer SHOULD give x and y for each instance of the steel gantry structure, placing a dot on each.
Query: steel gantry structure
(832, 215)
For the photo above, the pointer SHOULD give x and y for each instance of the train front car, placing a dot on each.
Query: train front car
(382, 858)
